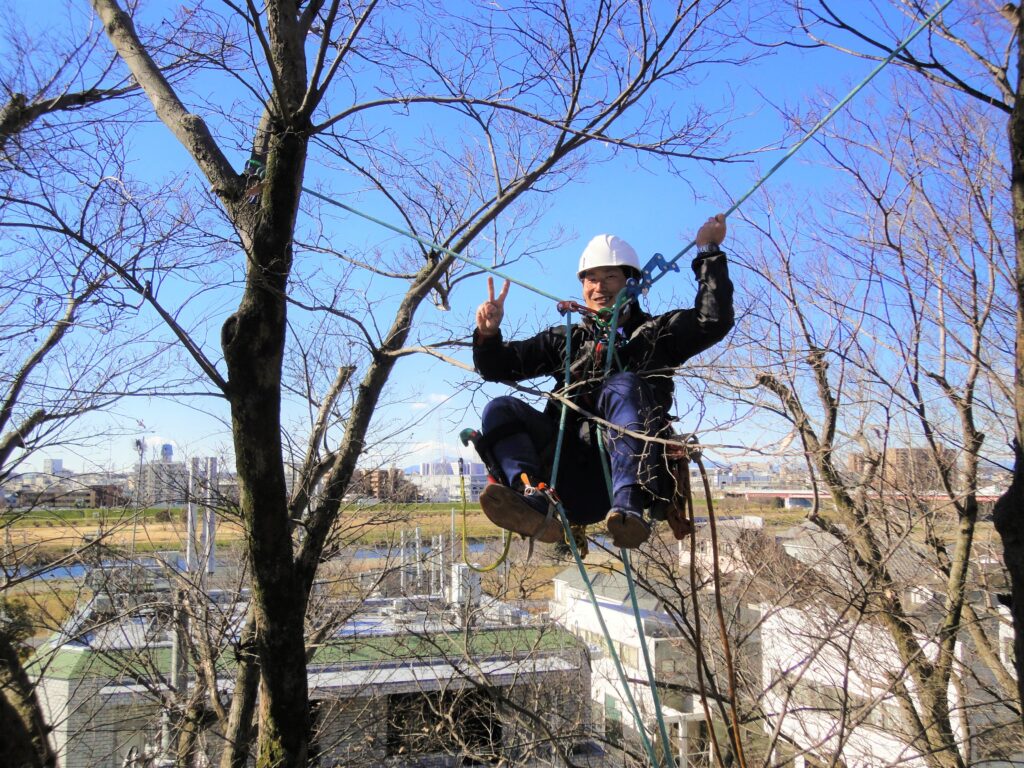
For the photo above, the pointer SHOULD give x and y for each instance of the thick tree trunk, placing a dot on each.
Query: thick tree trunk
(1008, 515)
(1009, 510)
(253, 340)
(24, 736)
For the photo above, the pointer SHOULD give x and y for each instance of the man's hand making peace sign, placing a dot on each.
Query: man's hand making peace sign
(490, 313)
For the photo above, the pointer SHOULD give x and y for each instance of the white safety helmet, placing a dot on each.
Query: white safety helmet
(608, 251)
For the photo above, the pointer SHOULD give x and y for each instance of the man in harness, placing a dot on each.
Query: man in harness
(518, 441)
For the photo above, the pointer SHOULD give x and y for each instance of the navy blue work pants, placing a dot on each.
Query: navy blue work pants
(623, 399)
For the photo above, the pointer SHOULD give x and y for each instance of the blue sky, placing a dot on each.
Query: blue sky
(654, 210)
(651, 208)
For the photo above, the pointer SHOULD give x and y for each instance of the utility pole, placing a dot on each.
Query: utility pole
(201, 522)
(419, 562)
(200, 563)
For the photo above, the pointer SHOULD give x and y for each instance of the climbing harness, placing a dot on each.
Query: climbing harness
(602, 317)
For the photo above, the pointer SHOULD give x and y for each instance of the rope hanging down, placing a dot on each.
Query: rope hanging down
(627, 570)
(566, 525)
(507, 537)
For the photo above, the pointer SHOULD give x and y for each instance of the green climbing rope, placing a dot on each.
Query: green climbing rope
(814, 129)
(627, 570)
(430, 244)
(567, 527)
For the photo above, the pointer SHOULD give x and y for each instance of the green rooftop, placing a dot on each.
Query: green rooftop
(75, 662)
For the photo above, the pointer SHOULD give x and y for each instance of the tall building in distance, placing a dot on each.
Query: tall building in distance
(443, 481)
(446, 467)
(919, 468)
(385, 484)
(53, 466)
(164, 481)
(911, 469)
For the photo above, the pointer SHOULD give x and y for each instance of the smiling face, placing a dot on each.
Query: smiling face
(601, 285)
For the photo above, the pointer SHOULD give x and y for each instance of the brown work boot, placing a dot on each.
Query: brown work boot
(628, 529)
(521, 514)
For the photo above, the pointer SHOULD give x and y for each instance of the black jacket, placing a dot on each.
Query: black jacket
(651, 346)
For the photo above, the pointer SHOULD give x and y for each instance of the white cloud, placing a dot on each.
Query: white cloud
(434, 398)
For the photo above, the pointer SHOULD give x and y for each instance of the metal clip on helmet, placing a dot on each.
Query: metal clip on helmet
(609, 251)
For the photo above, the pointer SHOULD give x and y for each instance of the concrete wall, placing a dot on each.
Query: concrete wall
(92, 729)
(352, 731)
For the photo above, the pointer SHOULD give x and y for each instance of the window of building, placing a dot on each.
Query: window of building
(628, 655)
(612, 719)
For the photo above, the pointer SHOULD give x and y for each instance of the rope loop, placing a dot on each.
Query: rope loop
(579, 537)
(465, 551)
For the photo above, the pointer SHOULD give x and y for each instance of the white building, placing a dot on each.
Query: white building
(446, 467)
(31, 482)
(720, 478)
(816, 661)
(670, 656)
(163, 482)
(53, 467)
(731, 533)
(830, 663)
(440, 488)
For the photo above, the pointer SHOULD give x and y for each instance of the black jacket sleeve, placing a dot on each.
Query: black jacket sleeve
(500, 360)
(669, 340)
